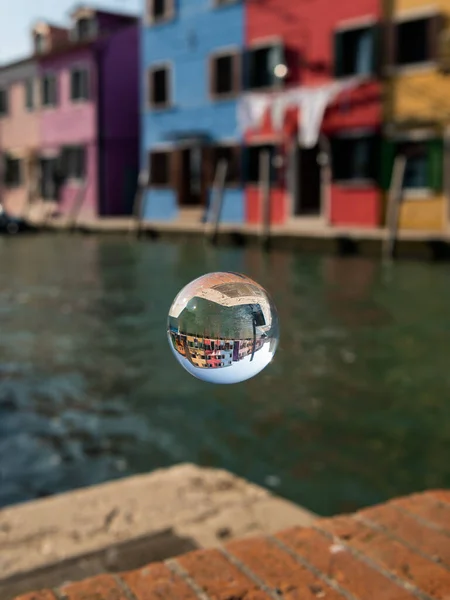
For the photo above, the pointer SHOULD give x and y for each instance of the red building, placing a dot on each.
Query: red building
(296, 48)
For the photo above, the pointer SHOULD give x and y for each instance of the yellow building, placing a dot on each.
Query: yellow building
(418, 111)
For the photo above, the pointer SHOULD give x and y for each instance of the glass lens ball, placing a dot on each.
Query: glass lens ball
(223, 328)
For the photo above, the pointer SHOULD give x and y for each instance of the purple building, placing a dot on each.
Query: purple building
(89, 115)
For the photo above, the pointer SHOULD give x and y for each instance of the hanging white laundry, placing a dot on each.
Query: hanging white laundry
(251, 111)
(312, 103)
(278, 109)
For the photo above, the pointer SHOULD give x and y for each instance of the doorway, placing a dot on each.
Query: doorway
(48, 184)
(191, 174)
(307, 200)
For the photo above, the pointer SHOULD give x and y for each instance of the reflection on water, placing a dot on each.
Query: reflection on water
(352, 410)
(223, 328)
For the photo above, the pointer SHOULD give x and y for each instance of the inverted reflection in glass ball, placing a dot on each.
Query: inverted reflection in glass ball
(223, 328)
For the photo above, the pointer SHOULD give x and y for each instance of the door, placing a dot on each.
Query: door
(190, 175)
(48, 188)
(308, 196)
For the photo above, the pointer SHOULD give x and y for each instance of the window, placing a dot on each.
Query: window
(354, 158)
(159, 165)
(84, 28)
(3, 102)
(79, 84)
(160, 10)
(73, 161)
(416, 168)
(224, 75)
(40, 43)
(253, 156)
(355, 52)
(159, 87)
(261, 66)
(424, 164)
(48, 90)
(232, 154)
(12, 171)
(29, 94)
(224, 2)
(415, 40)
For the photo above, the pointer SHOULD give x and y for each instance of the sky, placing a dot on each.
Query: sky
(18, 16)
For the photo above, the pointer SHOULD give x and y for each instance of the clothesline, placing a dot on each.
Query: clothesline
(311, 102)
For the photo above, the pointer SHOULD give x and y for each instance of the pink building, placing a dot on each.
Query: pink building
(89, 116)
(19, 134)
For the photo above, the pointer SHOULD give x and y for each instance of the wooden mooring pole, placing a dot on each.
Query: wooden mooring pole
(264, 189)
(393, 207)
(217, 200)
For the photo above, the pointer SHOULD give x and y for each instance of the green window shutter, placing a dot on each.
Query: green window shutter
(387, 156)
(435, 164)
(338, 54)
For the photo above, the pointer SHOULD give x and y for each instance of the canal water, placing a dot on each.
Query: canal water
(354, 409)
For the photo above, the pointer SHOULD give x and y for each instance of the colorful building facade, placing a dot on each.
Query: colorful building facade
(202, 60)
(418, 115)
(85, 126)
(19, 135)
(190, 53)
(327, 53)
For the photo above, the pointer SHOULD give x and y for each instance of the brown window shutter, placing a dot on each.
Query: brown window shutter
(207, 176)
(436, 25)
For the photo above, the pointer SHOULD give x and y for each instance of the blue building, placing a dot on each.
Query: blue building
(191, 78)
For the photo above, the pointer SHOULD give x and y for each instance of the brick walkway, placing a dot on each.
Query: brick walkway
(399, 550)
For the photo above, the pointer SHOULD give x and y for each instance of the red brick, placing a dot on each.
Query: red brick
(406, 527)
(41, 595)
(442, 495)
(427, 507)
(157, 582)
(219, 578)
(392, 555)
(102, 587)
(278, 570)
(338, 564)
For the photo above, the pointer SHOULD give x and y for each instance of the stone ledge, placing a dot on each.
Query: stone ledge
(399, 550)
(92, 530)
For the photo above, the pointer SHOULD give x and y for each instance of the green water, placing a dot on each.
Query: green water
(354, 409)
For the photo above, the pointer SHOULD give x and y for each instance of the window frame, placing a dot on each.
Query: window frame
(168, 150)
(71, 178)
(29, 81)
(233, 145)
(81, 68)
(43, 46)
(169, 13)
(233, 52)
(430, 13)
(349, 26)
(354, 134)
(21, 179)
(4, 89)
(54, 104)
(223, 3)
(93, 29)
(259, 44)
(168, 66)
(273, 172)
(420, 138)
